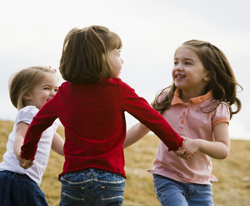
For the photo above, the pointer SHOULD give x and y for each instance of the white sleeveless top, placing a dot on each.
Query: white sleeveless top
(10, 162)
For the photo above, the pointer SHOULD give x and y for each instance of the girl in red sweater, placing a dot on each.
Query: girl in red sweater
(91, 105)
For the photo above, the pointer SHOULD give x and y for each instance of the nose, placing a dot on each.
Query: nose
(52, 93)
(178, 67)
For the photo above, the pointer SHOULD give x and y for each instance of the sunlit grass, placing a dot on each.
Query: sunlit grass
(233, 188)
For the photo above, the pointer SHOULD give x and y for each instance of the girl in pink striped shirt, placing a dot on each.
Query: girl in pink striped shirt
(197, 105)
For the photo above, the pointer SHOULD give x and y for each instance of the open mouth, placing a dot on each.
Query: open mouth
(178, 76)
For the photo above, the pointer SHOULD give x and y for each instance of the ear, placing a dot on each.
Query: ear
(27, 97)
(207, 77)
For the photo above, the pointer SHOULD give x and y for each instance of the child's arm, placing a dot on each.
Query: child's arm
(134, 134)
(20, 134)
(219, 149)
(57, 144)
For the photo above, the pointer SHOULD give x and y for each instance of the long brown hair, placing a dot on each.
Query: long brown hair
(84, 54)
(223, 83)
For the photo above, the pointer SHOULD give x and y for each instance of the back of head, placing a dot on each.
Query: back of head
(223, 82)
(84, 55)
(24, 82)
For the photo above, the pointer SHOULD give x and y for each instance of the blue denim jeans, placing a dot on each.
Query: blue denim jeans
(19, 190)
(93, 187)
(172, 193)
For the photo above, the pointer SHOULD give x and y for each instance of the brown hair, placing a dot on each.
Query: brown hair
(223, 83)
(84, 54)
(24, 82)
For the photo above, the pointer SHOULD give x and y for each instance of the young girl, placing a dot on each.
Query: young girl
(91, 106)
(199, 105)
(30, 89)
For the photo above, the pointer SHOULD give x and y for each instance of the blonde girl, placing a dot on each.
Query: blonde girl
(198, 105)
(91, 105)
(29, 90)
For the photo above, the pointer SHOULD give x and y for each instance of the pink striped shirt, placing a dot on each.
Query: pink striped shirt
(188, 120)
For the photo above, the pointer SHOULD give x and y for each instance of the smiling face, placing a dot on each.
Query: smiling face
(43, 91)
(115, 62)
(188, 73)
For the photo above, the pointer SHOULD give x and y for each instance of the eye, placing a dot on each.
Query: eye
(46, 88)
(175, 62)
(187, 63)
(55, 90)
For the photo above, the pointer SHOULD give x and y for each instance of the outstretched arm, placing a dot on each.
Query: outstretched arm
(57, 144)
(21, 130)
(134, 134)
(219, 149)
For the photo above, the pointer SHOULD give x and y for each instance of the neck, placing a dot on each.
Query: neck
(188, 95)
(183, 98)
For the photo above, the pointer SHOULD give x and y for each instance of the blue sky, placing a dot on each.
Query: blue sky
(32, 33)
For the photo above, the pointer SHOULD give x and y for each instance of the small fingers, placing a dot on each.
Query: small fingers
(18, 154)
(187, 156)
(190, 156)
(25, 163)
(180, 152)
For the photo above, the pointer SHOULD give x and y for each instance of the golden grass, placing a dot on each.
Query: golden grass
(233, 188)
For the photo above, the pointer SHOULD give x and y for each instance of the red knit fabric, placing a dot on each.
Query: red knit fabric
(95, 127)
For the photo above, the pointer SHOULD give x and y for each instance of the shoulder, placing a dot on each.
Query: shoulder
(26, 114)
(125, 88)
(64, 85)
(118, 82)
(124, 84)
(222, 107)
(63, 91)
(221, 113)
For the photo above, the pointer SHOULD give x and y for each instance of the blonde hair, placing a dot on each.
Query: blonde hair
(24, 82)
(223, 83)
(84, 54)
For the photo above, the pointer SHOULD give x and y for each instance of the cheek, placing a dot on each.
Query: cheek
(173, 74)
(45, 95)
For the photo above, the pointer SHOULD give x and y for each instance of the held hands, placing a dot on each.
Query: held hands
(188, 149)
(23, 162)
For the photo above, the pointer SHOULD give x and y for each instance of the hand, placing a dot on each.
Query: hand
(190, 147)
(180, 152)
(23, 162)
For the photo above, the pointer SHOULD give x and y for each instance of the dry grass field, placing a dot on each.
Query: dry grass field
(233, 188)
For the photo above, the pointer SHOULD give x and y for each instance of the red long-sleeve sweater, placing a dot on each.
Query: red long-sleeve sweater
(95, 127)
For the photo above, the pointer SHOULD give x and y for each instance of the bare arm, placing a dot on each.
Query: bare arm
(21, 130)
(219, 149)
(134, 134)
(57, 144)
(20, 134)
